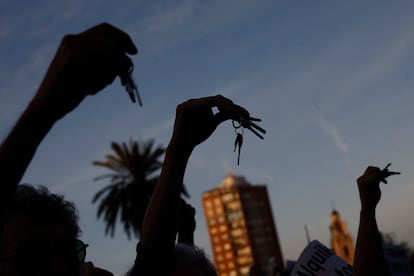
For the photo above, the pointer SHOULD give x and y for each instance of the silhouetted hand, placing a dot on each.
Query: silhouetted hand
(369, 252)
(195, 120)
(368, 185)
(83, 65)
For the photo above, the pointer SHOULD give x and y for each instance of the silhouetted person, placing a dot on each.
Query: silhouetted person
(186, 223)
(194, 123)
(369, 251)
(39, 230)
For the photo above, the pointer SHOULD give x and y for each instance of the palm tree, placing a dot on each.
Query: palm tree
(134, 175)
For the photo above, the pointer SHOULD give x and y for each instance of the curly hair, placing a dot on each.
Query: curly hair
(44, 208)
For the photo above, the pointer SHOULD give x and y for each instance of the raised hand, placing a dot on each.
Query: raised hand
(369, 253)
(195, 120)
(83, 65)
(368, 186)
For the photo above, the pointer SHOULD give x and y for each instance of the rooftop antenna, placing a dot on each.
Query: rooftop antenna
(307, 234)
(333, 205)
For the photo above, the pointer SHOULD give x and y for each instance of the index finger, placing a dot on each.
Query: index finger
(222, 103)
(108, 30)
(386, 167)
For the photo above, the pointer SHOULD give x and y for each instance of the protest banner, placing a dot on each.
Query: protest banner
(318, 260)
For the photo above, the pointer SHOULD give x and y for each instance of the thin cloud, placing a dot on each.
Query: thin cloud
(168, 18)
(160, 129)
(343, 68)
(334, 134)
(175, 25)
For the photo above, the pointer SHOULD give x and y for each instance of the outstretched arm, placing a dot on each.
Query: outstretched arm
(369, 252)
(194, 123)
(83, 65)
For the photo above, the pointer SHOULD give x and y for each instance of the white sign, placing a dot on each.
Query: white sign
(318, 260)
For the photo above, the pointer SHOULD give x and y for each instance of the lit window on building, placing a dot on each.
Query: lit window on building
(244, 260)
(225, 236)
(227, 246)
(222, 228)
(227, 197)
(210, 213)
(234, 215)
(233, 273)
(236, 224)
(217, 248)
(221, 219)
(217, 201)
(229, 255)
(213, 230)
(208, 204)
(235, 205)
(212, 221)
(236, 232)
(220, 257)
(245, 270)
(230, 265)
(246, 251)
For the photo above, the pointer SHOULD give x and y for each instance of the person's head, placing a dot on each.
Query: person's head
(39, 235)
(191, 260)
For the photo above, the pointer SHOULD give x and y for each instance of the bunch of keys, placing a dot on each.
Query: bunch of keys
(245, 121)
(386, 173)
(130, 86)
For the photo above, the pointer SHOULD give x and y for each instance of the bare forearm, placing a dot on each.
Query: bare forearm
(19, 147)
(160, 223)
(369, 252)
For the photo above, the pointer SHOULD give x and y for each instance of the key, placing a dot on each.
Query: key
(386, 173)
(238, 143)
(130, 86)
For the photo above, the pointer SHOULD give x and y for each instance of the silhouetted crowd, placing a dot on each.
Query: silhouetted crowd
(40, 234)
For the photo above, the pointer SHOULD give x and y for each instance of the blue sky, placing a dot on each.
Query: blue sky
(331, 80)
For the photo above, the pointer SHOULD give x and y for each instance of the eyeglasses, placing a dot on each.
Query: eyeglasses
(35, 253)
(80, 250)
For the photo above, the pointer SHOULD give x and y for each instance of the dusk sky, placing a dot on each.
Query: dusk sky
(331, 80)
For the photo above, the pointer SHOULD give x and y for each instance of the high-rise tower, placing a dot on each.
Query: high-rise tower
(241, 227)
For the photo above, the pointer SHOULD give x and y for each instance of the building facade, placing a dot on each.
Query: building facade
(341, 240)
(241, 227)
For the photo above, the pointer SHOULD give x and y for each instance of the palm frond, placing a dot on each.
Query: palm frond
(135, 170)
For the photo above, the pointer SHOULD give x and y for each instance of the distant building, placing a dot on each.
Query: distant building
(397, 256)
(341, 240)
(241, 227)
